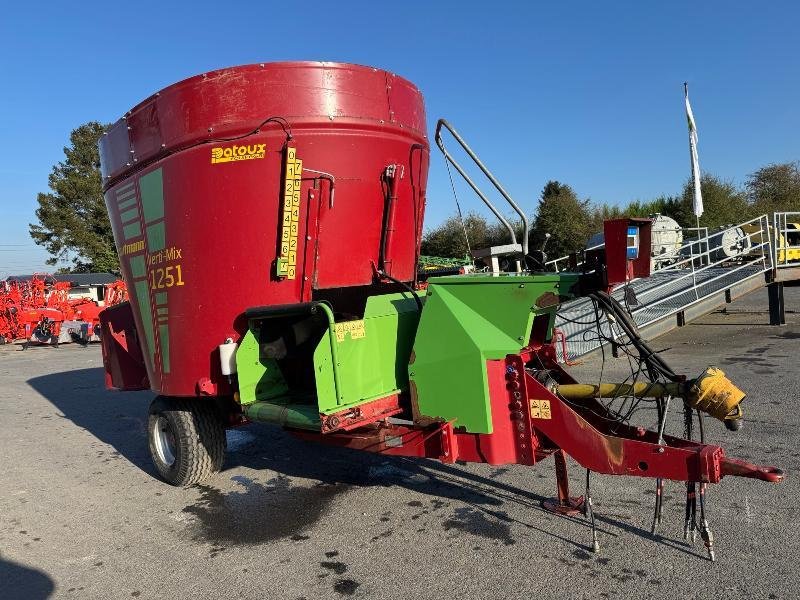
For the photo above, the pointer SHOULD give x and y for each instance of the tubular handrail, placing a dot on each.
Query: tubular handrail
(526, 228)
(763, 257)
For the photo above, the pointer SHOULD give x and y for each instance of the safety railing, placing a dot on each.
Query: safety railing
(694, 238)
(786, 228)
(740, 248)
(704, 267)
(562, 263)
(443, 124)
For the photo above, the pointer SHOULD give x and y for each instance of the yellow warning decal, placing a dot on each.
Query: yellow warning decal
(223, 154)
(540, 409)
(355, 329)
(293, 169)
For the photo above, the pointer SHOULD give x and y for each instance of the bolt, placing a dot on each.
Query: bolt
(308, 237)
(521, 285)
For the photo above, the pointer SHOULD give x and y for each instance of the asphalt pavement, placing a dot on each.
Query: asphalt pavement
(82, 514)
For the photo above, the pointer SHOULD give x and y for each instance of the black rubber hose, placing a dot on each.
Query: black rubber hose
(654, 362)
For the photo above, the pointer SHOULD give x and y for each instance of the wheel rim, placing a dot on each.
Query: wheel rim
(165, 441)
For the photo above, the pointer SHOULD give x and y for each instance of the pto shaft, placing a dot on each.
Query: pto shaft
(712, 393)
(587, 391)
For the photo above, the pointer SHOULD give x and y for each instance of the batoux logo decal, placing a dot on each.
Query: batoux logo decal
(223, 154)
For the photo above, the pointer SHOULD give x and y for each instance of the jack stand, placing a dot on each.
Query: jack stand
(564, 504)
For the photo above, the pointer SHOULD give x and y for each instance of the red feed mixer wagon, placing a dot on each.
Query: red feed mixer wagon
(284, 203)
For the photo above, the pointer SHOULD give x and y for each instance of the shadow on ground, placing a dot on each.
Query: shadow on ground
(20, 582)
(119, 419)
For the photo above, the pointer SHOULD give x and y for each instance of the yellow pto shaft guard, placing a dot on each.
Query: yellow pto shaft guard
(712, 392)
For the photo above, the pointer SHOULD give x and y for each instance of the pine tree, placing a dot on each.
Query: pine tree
(73, 222)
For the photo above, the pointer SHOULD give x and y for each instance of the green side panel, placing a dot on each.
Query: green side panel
(371, 360)
(125, 190)
(259, 378)
(126, 204)
(467, 320)
(161, 298)
(143, 296)
(156, 239)
(151, 189)
(163, 338)
(132, 230)
(129, 215)
(138, 270)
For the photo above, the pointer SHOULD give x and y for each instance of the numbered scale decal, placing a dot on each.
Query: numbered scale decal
(287, 261)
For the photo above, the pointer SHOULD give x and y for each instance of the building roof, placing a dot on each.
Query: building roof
(81, 279)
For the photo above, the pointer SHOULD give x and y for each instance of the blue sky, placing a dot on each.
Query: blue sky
(588, 93)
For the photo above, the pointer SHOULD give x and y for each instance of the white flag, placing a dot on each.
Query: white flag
(697, 203)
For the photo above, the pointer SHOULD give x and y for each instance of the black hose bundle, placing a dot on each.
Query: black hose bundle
(656, 365)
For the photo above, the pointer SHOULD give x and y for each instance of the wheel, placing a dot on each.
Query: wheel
(186, 439)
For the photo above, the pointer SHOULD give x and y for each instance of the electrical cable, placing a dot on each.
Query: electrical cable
(458, 205)
(284, 125)
(400, 283)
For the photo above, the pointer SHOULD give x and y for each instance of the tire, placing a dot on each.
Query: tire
(186, 439)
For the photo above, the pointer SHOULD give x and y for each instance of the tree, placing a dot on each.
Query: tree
(723, 204)
(565, 217)
(775, 188)
(73, 222)
(447, 240)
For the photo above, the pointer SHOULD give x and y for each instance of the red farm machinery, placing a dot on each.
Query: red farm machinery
(284, 202)
(38, 309)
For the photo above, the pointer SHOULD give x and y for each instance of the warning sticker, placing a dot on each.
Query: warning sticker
(355, 329)
(540, 409)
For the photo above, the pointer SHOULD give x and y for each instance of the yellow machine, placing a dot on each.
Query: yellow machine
(788, 245)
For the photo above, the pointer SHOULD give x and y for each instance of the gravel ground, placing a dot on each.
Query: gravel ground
(82, 514)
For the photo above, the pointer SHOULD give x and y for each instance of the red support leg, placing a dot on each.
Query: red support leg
(564, 504)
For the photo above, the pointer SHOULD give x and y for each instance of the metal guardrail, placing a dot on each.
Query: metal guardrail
(442, 123)
(706, 266)
(786, 228)
(562, 263)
